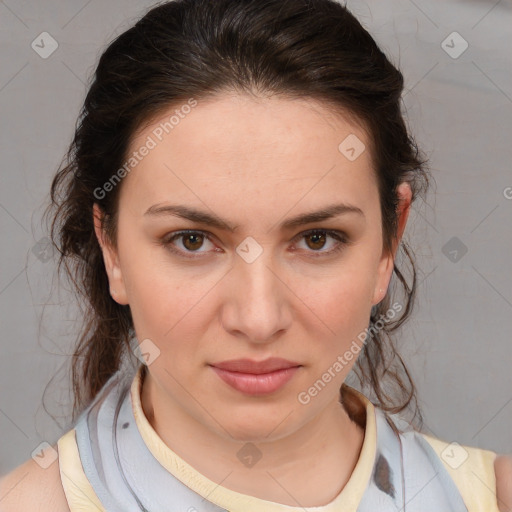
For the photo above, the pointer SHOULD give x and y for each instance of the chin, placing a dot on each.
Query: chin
(256, 428)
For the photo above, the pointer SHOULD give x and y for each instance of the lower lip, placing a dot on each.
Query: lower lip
(252, 384)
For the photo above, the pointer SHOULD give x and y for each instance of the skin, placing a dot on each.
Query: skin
(282, 304)
(254, 162)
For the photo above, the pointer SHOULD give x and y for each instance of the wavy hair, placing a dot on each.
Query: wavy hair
(199, 48)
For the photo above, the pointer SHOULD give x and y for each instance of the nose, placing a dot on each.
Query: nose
(256, 301)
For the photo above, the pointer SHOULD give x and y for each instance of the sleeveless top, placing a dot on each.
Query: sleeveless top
(114, 461)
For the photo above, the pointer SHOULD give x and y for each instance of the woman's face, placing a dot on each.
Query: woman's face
(265, 289)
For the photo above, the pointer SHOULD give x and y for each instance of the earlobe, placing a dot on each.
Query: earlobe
(386, 265)
(383, 278)
(110, 259)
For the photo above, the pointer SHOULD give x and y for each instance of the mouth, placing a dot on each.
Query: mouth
(256, 378)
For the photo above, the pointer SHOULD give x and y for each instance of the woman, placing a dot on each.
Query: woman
(233, 204)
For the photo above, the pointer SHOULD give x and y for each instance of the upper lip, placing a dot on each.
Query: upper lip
(256, 367)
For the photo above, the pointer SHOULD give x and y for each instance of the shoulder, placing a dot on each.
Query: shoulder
(30, 488)
(482, 477)
(503, 470)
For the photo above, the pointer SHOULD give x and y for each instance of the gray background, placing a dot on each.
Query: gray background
(458, 345)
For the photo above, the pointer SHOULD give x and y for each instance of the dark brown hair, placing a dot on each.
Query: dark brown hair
(184, 49)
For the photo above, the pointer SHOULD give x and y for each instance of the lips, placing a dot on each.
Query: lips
(256, 378)
(256, 367)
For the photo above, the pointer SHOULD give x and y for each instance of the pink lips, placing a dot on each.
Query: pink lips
(255, 378)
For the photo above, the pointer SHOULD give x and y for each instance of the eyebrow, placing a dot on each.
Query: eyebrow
(210, 219)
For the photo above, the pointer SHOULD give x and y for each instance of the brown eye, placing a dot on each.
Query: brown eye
(318, 240)
(192, 241)
(187, 243)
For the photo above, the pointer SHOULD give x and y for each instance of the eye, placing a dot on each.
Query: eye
(190, 240)
(316, 239)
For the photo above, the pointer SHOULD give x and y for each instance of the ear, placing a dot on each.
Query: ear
(386, 264)
(110, 258)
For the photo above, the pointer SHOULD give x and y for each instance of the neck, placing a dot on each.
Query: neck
(308, 468)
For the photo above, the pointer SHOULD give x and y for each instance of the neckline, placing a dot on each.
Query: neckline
(347, 500)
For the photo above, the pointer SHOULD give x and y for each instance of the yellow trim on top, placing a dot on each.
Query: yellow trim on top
(347, 501)
(472, 470)
(77, 488)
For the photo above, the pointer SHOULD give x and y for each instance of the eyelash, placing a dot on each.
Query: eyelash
(337, 235)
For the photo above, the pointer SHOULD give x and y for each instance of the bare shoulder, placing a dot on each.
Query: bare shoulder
(30, 488)
(503, 470)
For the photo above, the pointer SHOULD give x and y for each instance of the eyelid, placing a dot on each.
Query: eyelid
(168, 239)
(340, 236)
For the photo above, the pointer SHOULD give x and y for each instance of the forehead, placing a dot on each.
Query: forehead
(266, 149)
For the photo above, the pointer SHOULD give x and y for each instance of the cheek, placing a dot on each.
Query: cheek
(338, 304)
(167, 302)
(168, 298)
(342, 290)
